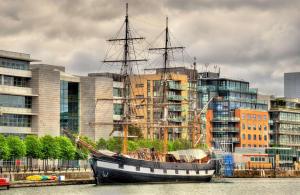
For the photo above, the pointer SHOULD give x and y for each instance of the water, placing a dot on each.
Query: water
(224, 186)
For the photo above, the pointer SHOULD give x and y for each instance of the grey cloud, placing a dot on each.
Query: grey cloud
(255, 40)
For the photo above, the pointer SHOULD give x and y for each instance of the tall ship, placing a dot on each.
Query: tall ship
(110, 167)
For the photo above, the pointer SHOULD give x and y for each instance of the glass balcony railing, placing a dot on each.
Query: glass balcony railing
(176, 119)
(175, 86)
(175, 108)
(207, 88)
(227, 88)
(225, 129)
(231, 119)
(226, 139)
(175, 97)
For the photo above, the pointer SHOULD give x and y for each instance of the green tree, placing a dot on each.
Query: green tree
(81, 154)
(4, 149)
(101, 144)
(66, 148)
(132, 145)
(50, 148)
(114, 144)
(33, 148)
(16, 146)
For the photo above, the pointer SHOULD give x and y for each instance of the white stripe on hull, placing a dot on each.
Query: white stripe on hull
(129, 168)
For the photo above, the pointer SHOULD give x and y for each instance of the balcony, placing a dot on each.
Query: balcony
(15, 130)
(237, 89)
(15, 72)
(12, 110)
(175, 119)
(226, 140)
(175, 108)
(175, 97)
(226, 130)
(226, 119)
(12, 90)
(207, 88)
(175, 86)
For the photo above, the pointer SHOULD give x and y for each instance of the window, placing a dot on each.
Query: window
(117, 92)
(197, 172)
(139, 117)
(15, 101)
(14, 64)
(254, 145)
(254, 137)
(139, 85)
(118, 109)
(137, 168)
(244, 145)
(249, 116)
(15, 120)
(252, 159)
(243, 137)
(259, 127)
(265, 127)
(254, 117)
(139, 106)
(165, 170)
(249, 136)
(151, 169)
(259, 146)
(243, 116)
(265, 137)
(249, 145)
(254, 127)
(176, 171)
(121, 166)
(249, 127)
(243, 126)
(259, 137)
(259, 117)
(187, 172)
(265, 117)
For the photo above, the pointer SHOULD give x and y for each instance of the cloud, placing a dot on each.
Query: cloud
(255, 40)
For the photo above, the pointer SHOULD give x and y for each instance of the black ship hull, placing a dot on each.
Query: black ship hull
(119, 169)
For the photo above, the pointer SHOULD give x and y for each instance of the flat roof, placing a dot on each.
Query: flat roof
(16, 56)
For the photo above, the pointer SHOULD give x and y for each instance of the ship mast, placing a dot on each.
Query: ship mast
(125, 74)
(166, 49)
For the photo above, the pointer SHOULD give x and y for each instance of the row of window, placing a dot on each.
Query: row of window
(15, 101)
(286, 116)
(254, 117)
(15, 64)
(254, 127)
(14, 120)
(254, 137)
(254, 146)
(14, 81)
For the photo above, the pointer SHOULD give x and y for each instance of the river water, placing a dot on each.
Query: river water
(223, 186)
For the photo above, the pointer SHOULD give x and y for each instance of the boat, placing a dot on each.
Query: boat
(109, 167)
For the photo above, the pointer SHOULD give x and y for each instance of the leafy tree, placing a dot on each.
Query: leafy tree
(101, 144)
(81, 154)
(114, 144)
(89, 141)
(33, 147)
(67, 149)
(4, 149)
(50, 148)
(132, 145)
(16, 146)
(145, 143)
(157, 145)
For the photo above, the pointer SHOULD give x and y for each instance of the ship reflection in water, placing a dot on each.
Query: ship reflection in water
(223, 186)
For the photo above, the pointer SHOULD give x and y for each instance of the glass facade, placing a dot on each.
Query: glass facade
(69, 105)
(14, 64)
(15, 101)
(228, 95)
(118, 109)
(15, 120)
(285, 126)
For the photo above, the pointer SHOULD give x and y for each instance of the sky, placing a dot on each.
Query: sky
(253, 40)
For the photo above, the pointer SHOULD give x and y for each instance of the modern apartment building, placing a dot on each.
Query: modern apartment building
(148, 109)
(292, 85)
(43, 99)
(232, 99)
(285, 123)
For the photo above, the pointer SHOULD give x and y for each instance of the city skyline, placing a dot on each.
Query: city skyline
(255, 41)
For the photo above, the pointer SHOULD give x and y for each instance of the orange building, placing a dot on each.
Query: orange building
(146, 90)
(253, 127)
